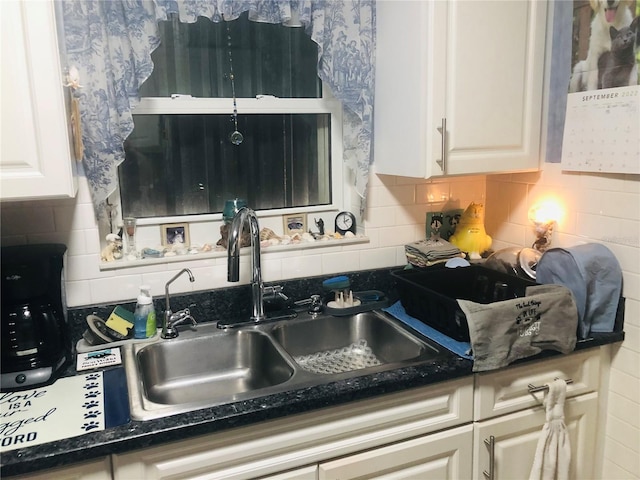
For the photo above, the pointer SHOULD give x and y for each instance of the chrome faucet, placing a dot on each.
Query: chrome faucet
(171, 320)
(233, 259)
(259, 293)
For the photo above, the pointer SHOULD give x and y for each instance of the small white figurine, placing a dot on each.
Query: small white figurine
(113, 250)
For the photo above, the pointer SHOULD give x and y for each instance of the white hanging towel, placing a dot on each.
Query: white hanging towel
(553, 453)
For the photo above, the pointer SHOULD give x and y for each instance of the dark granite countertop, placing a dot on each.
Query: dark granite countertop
(137, 435)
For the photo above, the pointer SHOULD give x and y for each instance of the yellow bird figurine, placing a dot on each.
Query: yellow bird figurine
(470, 235)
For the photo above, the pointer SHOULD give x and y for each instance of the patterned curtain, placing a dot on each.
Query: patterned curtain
(110, 43)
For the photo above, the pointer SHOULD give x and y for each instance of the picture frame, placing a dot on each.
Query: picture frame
(294, 223)
(174, 232)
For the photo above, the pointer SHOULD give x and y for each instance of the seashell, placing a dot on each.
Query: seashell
(349, 235)
(267, 234)
(307, 237)
(274, 241)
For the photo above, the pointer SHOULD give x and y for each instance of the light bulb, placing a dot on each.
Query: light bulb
(544, 216)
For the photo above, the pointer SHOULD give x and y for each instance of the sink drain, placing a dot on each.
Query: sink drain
(356, 356)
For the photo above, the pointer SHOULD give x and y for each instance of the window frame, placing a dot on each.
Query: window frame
(263, 104)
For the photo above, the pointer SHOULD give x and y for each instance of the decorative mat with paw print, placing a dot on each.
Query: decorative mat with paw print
(67, 408)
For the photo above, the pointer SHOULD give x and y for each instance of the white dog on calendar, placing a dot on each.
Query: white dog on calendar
(607, 13)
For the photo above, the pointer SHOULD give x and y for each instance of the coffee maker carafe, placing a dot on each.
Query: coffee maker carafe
(35, 337)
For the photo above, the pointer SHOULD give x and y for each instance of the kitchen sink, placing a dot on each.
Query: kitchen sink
(206, 366)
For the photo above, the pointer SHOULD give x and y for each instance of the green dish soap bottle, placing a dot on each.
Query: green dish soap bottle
(144, 315)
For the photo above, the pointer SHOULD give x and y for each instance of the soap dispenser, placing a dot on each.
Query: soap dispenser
(144, 315)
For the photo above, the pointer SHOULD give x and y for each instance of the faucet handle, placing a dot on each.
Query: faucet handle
(274, 292)
(316, 304)
(180, 317)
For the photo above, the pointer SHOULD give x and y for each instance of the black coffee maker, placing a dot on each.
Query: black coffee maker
(35, 337)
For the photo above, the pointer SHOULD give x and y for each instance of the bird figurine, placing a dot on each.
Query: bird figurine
(470, 235)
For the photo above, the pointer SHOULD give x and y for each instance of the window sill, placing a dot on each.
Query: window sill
(220, 252)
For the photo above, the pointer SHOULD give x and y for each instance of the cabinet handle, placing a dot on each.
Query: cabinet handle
(443, 131)
(534, 389)
(491, 443)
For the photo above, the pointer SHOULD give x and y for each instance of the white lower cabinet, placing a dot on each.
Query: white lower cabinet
(509, 415)
(425, 429)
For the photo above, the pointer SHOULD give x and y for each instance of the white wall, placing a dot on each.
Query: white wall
(598, 208)
(395, 216)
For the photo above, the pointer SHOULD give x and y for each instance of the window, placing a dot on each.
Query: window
(179, 158)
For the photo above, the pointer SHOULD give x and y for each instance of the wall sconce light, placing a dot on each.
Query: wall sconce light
(544, 216)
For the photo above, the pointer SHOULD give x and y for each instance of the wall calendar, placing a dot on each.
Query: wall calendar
(602, 131)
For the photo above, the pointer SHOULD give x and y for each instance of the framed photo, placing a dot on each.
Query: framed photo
(294, 223)
(173, 233)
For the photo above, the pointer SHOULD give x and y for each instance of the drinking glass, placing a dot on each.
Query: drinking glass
(130, 232)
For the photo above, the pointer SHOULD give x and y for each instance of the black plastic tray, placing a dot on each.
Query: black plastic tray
(430, 294)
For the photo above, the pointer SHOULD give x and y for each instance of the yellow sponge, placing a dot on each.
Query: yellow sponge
(120, 320)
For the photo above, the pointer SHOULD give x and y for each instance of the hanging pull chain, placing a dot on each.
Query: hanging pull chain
(235, 137)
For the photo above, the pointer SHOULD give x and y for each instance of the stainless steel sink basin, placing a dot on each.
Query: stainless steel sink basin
(206, 366)
(331, 345)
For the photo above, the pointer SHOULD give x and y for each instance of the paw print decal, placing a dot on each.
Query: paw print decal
(92, 414)
(92, 376)
(94, 394)
(90, 404)
(92, 425)
(91, 385)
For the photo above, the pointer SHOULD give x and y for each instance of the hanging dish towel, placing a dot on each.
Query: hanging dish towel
(553, 453)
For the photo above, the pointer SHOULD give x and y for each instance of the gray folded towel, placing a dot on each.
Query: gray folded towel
(502, 332)
(429, 252)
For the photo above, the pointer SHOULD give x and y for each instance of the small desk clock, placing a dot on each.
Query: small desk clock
(345, 222)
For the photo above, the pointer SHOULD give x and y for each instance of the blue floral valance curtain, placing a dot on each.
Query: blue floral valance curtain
(110, 43)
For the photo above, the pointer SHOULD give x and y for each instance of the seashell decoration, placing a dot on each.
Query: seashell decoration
(268, 234)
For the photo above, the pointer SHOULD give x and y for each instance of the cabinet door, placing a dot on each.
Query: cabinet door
(36, 155)
(458, 87)
(444, 455)
(516, 437)
(494, 80)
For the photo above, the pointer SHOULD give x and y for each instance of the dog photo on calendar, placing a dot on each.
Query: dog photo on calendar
(606, 44)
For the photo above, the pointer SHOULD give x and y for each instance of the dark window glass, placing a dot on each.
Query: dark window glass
(185, 164)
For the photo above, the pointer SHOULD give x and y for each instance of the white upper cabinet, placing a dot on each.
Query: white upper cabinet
(458, 86)
(36, 159)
